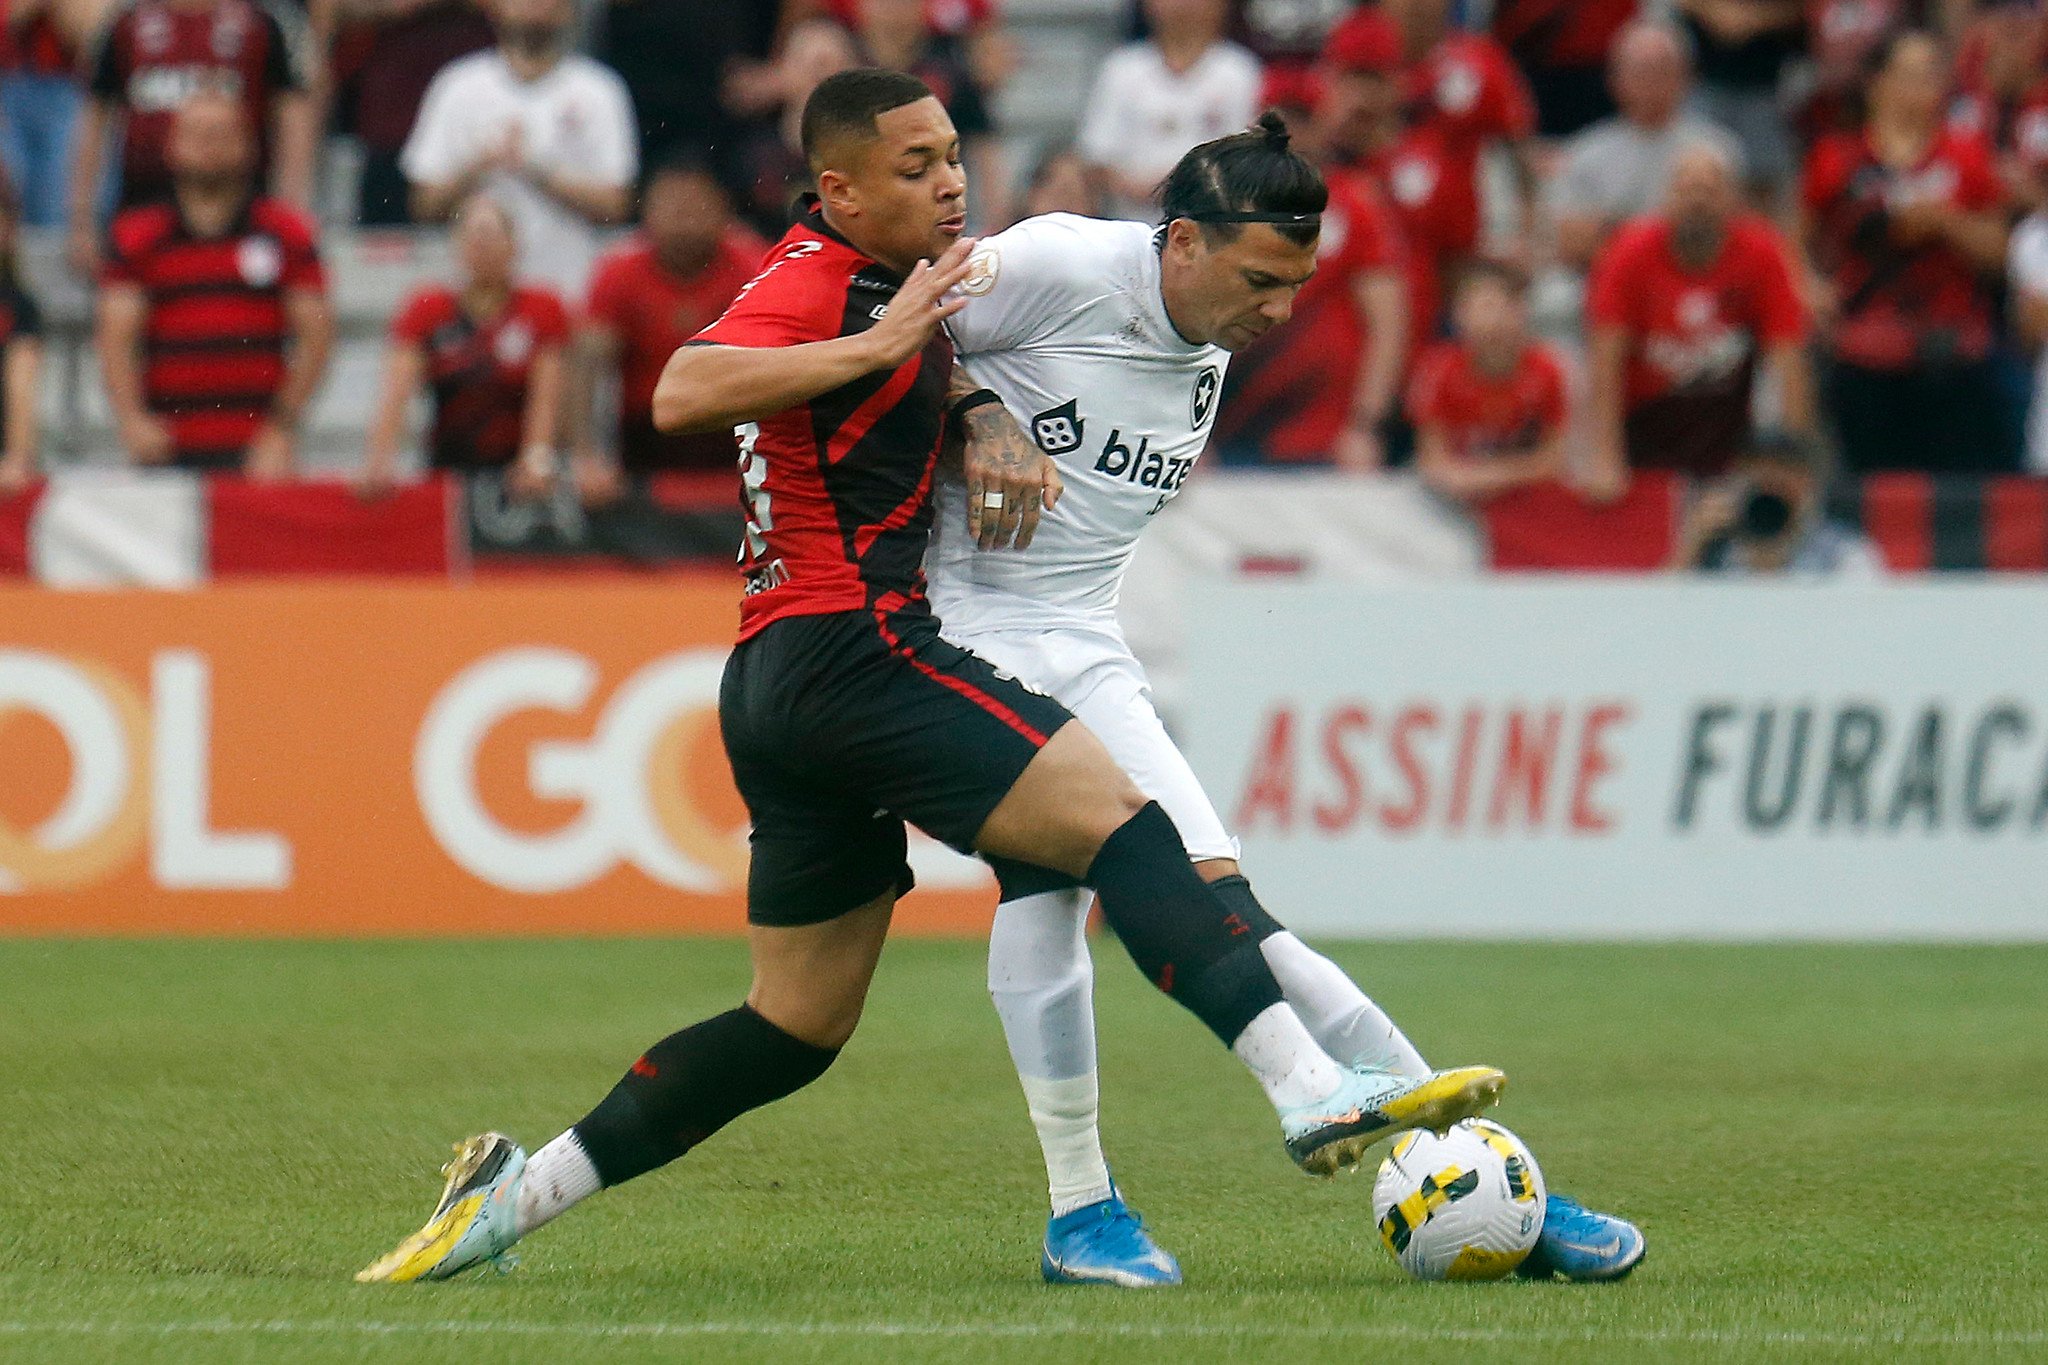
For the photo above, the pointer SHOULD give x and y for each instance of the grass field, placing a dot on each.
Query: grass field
(1836, 1152)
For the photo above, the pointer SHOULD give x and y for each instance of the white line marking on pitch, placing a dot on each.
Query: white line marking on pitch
(1162, 1331)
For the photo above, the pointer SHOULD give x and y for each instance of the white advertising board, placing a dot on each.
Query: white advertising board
(1661, 759)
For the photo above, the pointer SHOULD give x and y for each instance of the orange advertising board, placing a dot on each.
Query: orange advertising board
(340, 758)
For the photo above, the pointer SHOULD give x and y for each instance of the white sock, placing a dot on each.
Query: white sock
(1064, 1112)
(1042, 979)
(558, 1177)
(1338, 1015)
(1286, 1060)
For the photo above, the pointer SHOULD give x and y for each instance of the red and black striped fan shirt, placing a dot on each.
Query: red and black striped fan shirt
(837, 491)
(214, 342)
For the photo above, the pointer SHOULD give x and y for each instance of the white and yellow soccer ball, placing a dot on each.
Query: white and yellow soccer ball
(1464, 1206)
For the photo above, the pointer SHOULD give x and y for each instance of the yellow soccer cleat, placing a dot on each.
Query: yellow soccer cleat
(1335, 1134)
(474, 1222)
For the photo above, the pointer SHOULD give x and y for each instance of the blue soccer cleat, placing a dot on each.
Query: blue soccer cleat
(1105, 1243)
(1582, 1245)
(1334, 1134)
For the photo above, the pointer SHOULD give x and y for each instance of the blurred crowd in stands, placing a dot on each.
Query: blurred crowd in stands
(1568, 240)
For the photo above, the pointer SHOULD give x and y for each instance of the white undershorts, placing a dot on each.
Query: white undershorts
(1093, 675)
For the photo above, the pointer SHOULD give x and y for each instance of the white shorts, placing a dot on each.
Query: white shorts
(1093, 675)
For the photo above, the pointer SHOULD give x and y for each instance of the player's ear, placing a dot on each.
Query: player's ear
(836, 192)
(1183, 235)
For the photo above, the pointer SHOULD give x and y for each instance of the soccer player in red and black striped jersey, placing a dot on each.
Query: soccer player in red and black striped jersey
(845, 713)
(213, 321)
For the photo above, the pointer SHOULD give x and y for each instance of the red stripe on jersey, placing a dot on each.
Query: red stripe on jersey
(994, 705)
(867, 414)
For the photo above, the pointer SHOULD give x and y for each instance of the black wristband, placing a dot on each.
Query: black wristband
(960, 407)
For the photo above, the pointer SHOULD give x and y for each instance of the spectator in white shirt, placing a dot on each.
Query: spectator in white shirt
(1154, 100)
(1619, 168)
(548, 132)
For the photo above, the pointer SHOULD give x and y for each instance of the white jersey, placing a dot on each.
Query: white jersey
(1064, 319)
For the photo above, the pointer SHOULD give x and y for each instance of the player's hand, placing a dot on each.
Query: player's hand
(271, 455)
(1010, 481)
(919, 307)
(148, 440)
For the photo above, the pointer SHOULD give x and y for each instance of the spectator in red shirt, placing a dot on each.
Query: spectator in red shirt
(1488, 407)
(1466, 88)
(1321, 388)
(1905, 219)
(213, 321)
(1682, 306)
(649, 295)
(151, 57)
(1358, 121)
(489, 352)
(21, 362)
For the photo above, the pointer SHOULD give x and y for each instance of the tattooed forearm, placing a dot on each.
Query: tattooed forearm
(996, 443)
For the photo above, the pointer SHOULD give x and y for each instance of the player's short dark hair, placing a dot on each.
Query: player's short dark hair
(1248, 177)
(847, 104)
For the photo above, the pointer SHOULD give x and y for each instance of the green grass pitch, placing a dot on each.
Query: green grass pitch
(1837, 1152)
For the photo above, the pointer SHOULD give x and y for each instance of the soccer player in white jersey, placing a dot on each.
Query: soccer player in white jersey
(1107, 342)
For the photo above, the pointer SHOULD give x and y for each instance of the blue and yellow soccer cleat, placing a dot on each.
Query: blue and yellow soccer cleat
(473, 1223)
(1105, 1243)
(1582, 1245)
(1335, 1134)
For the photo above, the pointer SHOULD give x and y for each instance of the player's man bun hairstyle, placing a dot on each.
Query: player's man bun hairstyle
(846, 105)
(1248, 177)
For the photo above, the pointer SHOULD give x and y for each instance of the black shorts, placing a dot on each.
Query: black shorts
(840, 728)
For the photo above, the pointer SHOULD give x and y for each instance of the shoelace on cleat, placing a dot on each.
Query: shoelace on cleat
(1573, 1221)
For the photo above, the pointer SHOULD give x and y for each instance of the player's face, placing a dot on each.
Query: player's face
(903, 197)
(1231, 293)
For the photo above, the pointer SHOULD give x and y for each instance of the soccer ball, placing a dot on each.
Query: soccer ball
(1464, 1206)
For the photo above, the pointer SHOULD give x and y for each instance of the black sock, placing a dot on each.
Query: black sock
(1236, 894)
(691, 1084)
(1180, 934)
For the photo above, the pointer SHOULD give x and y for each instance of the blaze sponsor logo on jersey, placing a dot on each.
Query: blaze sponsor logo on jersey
(1058, 430)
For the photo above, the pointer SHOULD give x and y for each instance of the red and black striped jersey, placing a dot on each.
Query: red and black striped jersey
(153, 55)
(214, 340)
(837, 491)
(479, 369)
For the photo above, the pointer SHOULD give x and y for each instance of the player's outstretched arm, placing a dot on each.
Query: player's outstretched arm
(1009, 479)
(716, 388)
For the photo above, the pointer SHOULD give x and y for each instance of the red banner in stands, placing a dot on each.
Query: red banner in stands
(1547, 526)
(327, 528)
